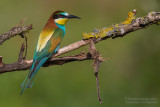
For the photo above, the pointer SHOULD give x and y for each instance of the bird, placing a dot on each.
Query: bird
(48, 44)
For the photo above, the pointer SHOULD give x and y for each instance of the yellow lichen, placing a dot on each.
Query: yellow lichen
(116, 25)
(129, 19)
(97, 35)
(87, 35)
(103, 32)
(110, 30)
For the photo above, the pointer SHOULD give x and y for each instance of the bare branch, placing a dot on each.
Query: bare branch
(26, 64)
(13, 32)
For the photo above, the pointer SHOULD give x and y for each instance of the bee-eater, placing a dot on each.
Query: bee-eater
(48, 44)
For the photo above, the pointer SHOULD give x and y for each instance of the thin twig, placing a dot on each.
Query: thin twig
(25, 48)
(1, 63)
(20, 59)
(98, 89)
(21, 22)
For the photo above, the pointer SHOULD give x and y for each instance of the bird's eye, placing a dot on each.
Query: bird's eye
(60, 15)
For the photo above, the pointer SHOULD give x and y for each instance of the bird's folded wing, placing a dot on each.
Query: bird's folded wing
(47, 43)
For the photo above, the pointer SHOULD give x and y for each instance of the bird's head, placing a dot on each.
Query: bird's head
(61, 17)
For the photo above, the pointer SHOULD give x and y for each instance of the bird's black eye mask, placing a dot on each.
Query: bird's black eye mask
(59, 16)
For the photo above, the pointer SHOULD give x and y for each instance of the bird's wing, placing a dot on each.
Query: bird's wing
(47, 44)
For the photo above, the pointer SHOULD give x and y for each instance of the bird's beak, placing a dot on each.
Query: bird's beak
(72, 16)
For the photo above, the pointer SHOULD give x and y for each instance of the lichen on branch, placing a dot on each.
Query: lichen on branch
(130, 24)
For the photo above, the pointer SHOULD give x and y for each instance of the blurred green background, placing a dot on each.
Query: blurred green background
(132, 71)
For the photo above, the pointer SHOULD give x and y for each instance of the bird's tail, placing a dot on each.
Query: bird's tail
(28, 82)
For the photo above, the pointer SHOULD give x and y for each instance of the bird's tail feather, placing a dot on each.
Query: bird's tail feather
(28, 82)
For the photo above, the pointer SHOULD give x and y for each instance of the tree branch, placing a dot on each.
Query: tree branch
(13, 32)
(26, 64)
(118, 31)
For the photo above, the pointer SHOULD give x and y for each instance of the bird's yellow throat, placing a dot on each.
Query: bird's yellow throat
(61, 21)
